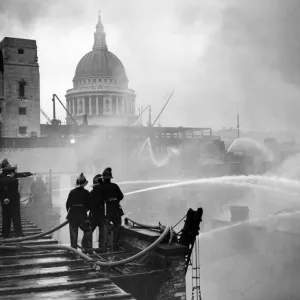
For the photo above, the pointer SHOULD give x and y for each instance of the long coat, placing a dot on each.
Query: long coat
(76, 213)
(108, 190)
(95, 204)
(9, 188)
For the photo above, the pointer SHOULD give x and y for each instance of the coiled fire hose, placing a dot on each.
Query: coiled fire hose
(167, 229)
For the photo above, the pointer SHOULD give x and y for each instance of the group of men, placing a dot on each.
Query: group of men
(103, 205)
(10, 198)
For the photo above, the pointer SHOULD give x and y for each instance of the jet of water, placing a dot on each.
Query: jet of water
(128, 183)
(250, 146)
(261, 182)
(234, 180)
(254, 220)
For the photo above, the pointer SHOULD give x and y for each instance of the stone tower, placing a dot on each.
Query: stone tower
(19, 88)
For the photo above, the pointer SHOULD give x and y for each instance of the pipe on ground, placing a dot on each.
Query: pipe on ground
(89, 259)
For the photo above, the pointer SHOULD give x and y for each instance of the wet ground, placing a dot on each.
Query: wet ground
(53, 274)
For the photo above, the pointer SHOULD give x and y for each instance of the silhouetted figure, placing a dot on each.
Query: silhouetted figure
(77, 207)
(38, 191)
(110, 197)
(10, 201)
(5, 164)
(40, 202)
(96, 210)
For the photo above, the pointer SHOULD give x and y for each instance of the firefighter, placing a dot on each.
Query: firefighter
(38, 191)
(10, 201)
(110, 197)
(5, 164)
(77, 207)
(38, 199)
(96, 211)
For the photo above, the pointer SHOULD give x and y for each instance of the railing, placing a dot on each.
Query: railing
(20, 143)
(100, 88)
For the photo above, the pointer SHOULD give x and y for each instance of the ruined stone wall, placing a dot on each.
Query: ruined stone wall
(20, 67)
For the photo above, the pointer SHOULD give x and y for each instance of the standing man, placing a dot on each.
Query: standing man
(111, 195)
(38, 191)
(96, 211)
(40, 201)
(10, 201)
(77, 207)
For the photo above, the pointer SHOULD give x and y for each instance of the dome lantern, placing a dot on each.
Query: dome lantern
(99, 36)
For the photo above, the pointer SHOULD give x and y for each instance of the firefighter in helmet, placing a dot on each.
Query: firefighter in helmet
(110, 197)
(10, 201)
(5, 164)
(96, 210)
(77, 207)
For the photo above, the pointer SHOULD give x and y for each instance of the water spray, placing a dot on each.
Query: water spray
(226, 180)
(257, 181)
(254, 220)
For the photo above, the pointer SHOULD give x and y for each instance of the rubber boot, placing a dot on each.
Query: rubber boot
(103, 236)
(87, 241)
(117, 231)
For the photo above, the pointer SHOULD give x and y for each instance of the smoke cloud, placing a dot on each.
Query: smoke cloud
(216, 56)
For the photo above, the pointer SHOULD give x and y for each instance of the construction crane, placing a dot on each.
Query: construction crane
(54, 110)
(140, 114)
(163, 108)
(46, 116)
(150, 111)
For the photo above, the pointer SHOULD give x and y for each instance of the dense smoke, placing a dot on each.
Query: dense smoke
(263, 40)
(251, 61)
(216, 56)
(271, 29)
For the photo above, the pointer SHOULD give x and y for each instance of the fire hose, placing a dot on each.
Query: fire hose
(98, 263)
(159, 227)
(143, 225)
(36, 236)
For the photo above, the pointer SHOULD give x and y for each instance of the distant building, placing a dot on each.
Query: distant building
(100, 90)
(19, 88)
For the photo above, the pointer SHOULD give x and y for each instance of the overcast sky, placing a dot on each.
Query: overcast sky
(215, 55)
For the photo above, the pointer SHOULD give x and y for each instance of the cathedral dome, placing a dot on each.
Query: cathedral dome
(100, 93)
(100, 62)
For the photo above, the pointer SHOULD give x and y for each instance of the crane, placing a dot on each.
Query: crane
(148, 107)
(54, 111)
(150, 110)
(163, 108)
(45, 115)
